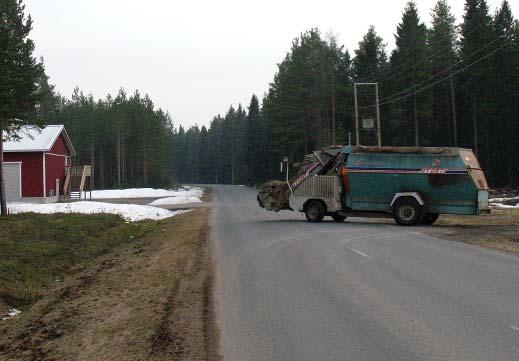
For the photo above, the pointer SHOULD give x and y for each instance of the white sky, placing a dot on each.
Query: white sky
(195, 58)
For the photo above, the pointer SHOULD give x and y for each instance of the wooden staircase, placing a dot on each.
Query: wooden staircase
(77, 181)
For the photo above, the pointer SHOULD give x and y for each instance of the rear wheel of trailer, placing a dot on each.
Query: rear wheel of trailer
(408, 212)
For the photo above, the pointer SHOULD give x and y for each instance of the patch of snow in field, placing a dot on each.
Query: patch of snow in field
(504, 206)
(13, 312)
(146, 193)
(500, 200)
(130, 212)
(505, 202)
(175, 200)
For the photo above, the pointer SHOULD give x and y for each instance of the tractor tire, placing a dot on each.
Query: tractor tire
(315, 211)
(408, 212)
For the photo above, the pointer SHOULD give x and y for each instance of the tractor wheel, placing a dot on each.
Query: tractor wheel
(408, 212)
(315, 211)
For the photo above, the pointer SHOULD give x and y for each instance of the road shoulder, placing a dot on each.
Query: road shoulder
(150, 300)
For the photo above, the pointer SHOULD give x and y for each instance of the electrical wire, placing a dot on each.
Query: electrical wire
(384, 102)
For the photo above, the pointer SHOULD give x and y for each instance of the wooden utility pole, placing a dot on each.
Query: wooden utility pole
(3, 199)
(416, 140)
(454, 121)
(475, 129)
(357, 131)
(377, 106)
(379, 132)
(333, 109)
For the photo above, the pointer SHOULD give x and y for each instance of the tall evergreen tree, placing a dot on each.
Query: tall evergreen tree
(204, 162)
(476, 35)
(255, 146)
(442, 45)
(370, 65)
(19, 74)
(505, 140)
(409, 68)
(370, 62)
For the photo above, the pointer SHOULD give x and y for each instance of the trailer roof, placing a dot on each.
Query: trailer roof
(402, 150)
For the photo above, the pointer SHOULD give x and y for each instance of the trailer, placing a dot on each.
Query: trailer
(414, 185)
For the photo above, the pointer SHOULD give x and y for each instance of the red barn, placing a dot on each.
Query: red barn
(34, 165)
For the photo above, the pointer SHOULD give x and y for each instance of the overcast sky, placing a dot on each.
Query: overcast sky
(195, 58)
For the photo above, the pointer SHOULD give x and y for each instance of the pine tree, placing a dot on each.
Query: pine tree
(19, 74)
(409, 68)
(204, 162)
(476, 35)
(370, 62)
(505, 107)
(255, 147)
(442, 45)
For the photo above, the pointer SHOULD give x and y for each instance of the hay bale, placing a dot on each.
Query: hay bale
(273, 196)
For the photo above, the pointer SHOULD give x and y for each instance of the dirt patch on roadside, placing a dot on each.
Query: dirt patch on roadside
(499, 231)
(148, 301)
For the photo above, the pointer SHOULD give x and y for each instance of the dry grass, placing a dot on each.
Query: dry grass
(499, 231)
(147, 301)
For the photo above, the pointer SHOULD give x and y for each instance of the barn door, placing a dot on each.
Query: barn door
(13, 181)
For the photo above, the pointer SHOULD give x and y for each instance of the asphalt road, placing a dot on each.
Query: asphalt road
(290, 290)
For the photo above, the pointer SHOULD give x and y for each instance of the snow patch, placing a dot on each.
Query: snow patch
(175, 200)
(147, 193)
(13, 312)
(130, 212)
(499, 200)
(505, 202)
(504, 206)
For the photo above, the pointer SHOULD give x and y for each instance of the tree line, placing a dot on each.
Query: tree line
(125, 138)
(444, 85)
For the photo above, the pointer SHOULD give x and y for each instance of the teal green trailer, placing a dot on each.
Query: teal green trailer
(413, 184)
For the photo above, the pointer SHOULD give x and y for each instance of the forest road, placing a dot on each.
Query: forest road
(359, 290)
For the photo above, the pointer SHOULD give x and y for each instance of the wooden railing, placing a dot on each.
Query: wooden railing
(75, 172)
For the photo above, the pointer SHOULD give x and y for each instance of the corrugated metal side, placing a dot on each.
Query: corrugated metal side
(318, 187)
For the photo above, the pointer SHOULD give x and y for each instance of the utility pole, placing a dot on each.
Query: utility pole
(333, 109)
(379, 133)
(416, 141)
(454, 121)
(377, 106)
(475, 129)
(357, 131)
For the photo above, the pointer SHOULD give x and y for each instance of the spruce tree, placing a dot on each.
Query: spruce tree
(410, 67)
(204, 162)
(442, 45)
(19, 73)
(255, 151)
(476, 35)
(370, 62)
(504, 104)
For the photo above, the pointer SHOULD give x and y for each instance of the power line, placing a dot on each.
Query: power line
(445, 78)
(432, 56)
(444, 70)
